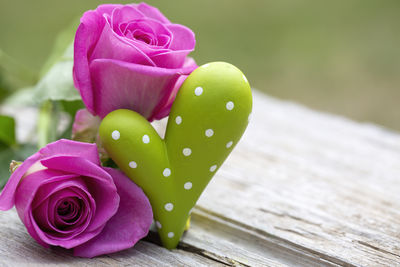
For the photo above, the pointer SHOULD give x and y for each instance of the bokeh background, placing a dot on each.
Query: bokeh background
(337, 56)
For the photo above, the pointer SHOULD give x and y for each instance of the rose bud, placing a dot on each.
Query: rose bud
(131, 57)
(85, 128)
(66, 198)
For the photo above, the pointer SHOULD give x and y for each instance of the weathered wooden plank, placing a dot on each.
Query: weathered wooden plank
(17, 248)
(314, 181)
(220, 237)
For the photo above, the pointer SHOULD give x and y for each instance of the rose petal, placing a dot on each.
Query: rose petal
(60, 147)
(88, 207)
(67, 238)
(183, 37)
(170, 59)
(48, 220)
(98, 181)
(153, 28)
(76, 241)
(113, 46)
(7, 197)
(41, 215)
(25, 194)
(78, 166)
(56, 189)
(107, 9)
(163, 40)
(124, 14)
(152, 12)
(87, 34)
(164, 111)
(130, 224)
(72, 148)
(120, 85)
(44, 191)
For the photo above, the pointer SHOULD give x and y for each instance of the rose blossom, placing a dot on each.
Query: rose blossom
(65, 198)
(130, 56)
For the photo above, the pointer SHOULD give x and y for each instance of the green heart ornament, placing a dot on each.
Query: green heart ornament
(207, 119)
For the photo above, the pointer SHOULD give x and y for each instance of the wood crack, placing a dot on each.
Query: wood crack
(290, 231)
(154, 238)
(318, 257)
(209, 255)
(377, 248)
(289, 216)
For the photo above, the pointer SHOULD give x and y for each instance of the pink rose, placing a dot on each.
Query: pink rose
(65, 198)
(132, 57)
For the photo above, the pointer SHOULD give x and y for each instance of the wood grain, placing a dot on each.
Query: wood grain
(17, 248)
(317, 182)
(302, 188)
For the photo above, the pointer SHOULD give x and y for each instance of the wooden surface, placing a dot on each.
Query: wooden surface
(302, 188)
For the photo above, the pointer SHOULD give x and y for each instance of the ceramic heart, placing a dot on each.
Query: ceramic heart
(207, 120)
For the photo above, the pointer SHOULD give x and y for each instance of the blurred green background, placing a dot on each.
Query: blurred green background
(338, 56)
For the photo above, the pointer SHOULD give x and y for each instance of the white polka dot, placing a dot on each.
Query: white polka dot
(166, 172)
(132, 164)
(158, 224)
(198, 91)
(209, 132)
(187, 151)
(188, 185)
(245, 79)
(230, 105)
(171, 234)
(213, 168)
(178, 120)
(229, 144)
(169, 206)
(115, 135)
(146, 139)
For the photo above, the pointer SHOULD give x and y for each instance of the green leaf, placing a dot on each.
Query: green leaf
(7, 154)
(71, 107)
(7, 130)
(57, 83)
